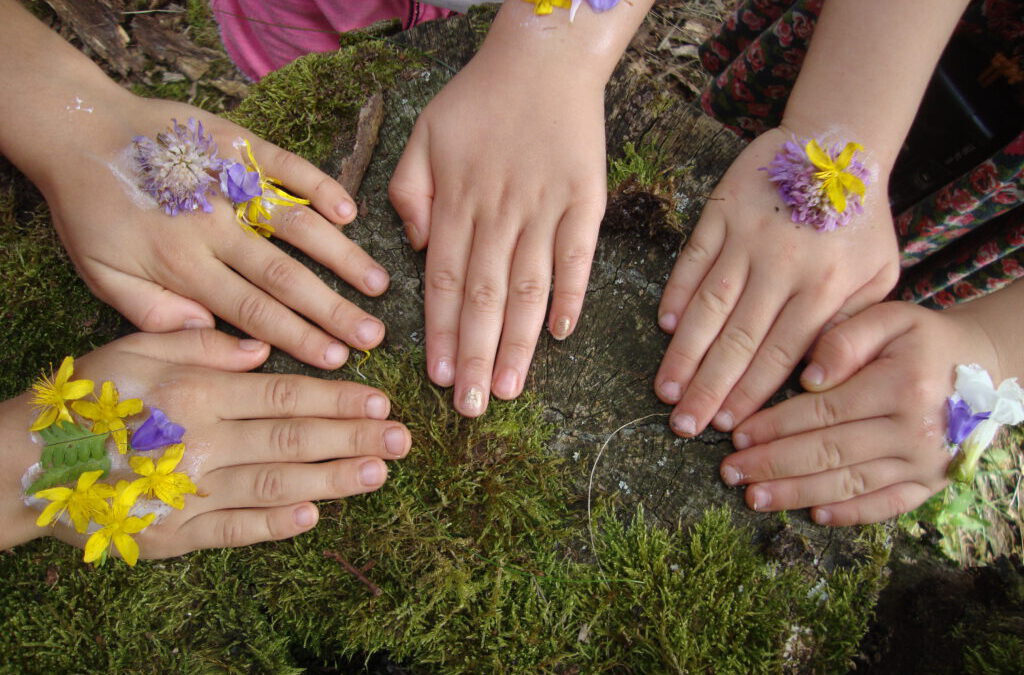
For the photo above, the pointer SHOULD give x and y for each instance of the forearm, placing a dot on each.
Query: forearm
(53, 93)
(17, 521)
(999, 315)
(550, 46)
(867, 68)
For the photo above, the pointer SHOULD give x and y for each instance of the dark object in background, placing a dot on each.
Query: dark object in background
(961, 122)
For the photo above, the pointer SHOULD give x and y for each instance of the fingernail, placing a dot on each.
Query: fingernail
(368, 332)
(813, 375)
(473, 401)
(730, 475)
(376, 280)
(668, 322)
(684, 424)
(376, 407)
(372, 473)
(305, 516)
(192, 324)
(394, 441)
(561, 328)
(723, 420)
(251, 345)
(345, 209)
(505, 386)
(670, 391)
(760, 497)
(443, 373)
(335, 355)
(822, 516)
(411, 233)
(741, 441)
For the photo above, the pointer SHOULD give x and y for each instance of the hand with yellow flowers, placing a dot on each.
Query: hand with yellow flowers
(503, 180)
(157, 444)
(114, 166)
(780, 253)
(752, 289)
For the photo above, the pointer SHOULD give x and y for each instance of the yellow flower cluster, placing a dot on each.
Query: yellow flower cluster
(546, 6)
(90, 501)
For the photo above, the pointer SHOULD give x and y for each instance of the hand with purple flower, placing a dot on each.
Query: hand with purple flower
(875, 435)
(798, 235)
(258, 448)
(117, 168)
(504, 181)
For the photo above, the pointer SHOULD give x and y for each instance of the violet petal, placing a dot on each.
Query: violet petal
(156, 432)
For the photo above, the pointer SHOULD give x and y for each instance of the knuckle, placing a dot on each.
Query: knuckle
(445, 281)
(531, 291)
(696, 252)
(289, 438)
(830, 456)
(476, 364)
(232, 533)
(574, 257)
(296, 218)
(517, 348)
(826, 413)
(852, 482)
(703, 395)
(898, 503)
(780, 356)
(739, 340)
(340, 313)
(268, 485)
(282, 396)
(280, 272)
(713, 299)
(484, 297)
(253, 310)
(340, 479)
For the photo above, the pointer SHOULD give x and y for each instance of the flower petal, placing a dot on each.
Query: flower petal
(77, 389)
(818, 157)
(852, 184)
(127, 547)
(843, 160)
(96, 545)
(50, 513)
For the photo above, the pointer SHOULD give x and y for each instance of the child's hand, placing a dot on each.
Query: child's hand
(504, 174)
(751, 290)
(259, 447)
(870, 444)
(165, 273)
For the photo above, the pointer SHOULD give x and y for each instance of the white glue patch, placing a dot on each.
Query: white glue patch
(123, 168)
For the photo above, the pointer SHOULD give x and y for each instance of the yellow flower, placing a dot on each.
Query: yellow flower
(52, 395)
(545, 6)
(160, 481)
(118, 526)
(835, 180)
(108, 414)
(83, 503)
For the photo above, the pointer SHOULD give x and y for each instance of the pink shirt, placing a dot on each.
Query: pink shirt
(263, 35)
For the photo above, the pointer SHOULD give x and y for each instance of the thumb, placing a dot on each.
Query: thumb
(412, 187)
(149, 306)
(853, 344)
(204, 347)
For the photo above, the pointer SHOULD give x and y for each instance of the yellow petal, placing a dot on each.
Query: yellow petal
(141, 465)
(818, 157)
(80, 519)
(852, 183)
(67, 367)
(77, 389)
(128, 548)
(843, 160)
(55, 494)
(132, 406)
(170, 458)
(49, 514)
(45, 419)
(88, 410)
(134, 525)
(120, 437)
(836, 195)
(87, 478)
(97, 544)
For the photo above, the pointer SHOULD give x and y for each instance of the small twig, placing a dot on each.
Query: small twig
(354, 571)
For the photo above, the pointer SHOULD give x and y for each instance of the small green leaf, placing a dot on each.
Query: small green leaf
(70, 450)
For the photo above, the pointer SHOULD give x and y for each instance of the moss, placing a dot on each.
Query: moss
(1001, 655)
(47, 311)
(642, 184)
(310, 106)
(483, 560)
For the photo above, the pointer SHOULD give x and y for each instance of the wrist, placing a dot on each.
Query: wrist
(17, 521)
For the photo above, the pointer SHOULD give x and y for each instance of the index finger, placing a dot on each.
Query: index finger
(246, 396)
(324, 193)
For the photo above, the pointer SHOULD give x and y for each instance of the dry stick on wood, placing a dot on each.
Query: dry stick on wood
(97, 25)
(354, 571)
(353, 167)
(164, 42)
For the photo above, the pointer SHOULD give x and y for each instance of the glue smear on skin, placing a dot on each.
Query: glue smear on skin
(123, 168)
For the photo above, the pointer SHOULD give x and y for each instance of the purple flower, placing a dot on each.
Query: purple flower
(156, 432)
(961, 420)
(179, 168)
(602, 5)
(239, 184)
(796, 179)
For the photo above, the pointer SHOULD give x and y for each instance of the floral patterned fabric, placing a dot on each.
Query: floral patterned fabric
(964, 240)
